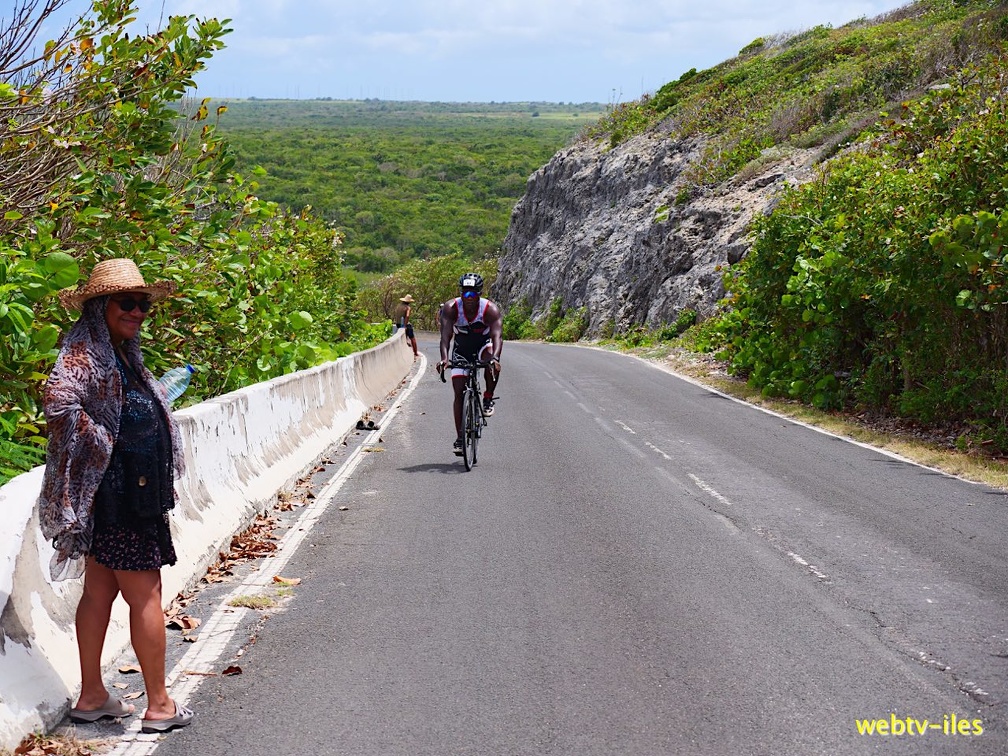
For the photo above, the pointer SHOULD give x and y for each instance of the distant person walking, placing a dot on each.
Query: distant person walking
(108, 486)
(402, 320)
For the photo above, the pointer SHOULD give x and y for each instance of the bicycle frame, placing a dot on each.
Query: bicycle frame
(473, 419)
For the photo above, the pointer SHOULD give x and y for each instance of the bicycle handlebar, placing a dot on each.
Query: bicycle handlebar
(464, 365)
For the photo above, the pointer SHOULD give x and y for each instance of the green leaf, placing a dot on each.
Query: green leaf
(64, 271)
(300, 320)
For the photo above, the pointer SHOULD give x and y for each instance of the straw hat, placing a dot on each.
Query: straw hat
(111, 277)
(407, 299)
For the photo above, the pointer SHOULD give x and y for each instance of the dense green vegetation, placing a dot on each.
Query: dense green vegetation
(95, 162)
(401, 180)
(255, 208)
(880, 285)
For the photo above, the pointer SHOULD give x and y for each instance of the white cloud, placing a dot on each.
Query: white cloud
(484, 49)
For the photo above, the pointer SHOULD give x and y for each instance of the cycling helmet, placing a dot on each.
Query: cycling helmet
(471, 281)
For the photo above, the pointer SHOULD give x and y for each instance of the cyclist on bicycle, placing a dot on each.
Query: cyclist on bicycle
(474, 323)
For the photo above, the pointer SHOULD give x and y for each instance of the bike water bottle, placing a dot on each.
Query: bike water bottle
(177, 380)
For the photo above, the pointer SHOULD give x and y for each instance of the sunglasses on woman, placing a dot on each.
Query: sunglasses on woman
(127, 304)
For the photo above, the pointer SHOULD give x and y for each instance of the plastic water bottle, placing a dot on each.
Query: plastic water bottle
(177, 380)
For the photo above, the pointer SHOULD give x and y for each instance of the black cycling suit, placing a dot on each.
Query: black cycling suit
(471, 337)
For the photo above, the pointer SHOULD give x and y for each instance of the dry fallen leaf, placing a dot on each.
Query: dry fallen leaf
(234, 669)
(120, 686)
(286, 581)
(190, 638)
(133, 696)
(129, 669)
(184, 622)
(344, 509)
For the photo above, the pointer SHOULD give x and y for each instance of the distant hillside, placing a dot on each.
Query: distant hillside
(818, 88)
(401, 180)
(831, 205)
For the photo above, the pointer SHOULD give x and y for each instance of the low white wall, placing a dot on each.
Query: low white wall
(241, 450)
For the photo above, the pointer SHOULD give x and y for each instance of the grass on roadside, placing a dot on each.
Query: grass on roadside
(260, 602)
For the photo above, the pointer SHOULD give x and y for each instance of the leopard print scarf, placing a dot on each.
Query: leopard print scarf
(82, 402)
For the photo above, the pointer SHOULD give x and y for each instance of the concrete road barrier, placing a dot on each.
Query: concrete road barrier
(241, 450)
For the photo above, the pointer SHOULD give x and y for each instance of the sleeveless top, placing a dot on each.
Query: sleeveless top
(470, 335)
(136, 489)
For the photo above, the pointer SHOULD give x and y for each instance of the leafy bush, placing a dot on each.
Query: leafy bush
(516, 323)
(684, 320)
(134, 170)
(553, 317)
(637, 336)
(882, 284)
(571, 328)
(430, 282)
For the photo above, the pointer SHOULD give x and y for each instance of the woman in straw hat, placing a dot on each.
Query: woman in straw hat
(109, 483)
(402, 320)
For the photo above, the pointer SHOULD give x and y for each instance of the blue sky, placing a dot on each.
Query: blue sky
(482, 50)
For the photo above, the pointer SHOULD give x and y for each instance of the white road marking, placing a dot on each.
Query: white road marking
(892, 455)
(811, 567)
(709, 490)
(626, 427)
(657, 450)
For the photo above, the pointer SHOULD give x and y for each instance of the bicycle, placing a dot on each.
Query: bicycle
(473, 417)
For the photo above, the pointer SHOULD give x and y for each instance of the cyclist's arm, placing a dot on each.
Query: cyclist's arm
(492, 318)
(448, 318)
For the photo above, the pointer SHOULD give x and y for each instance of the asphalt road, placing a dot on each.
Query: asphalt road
(636, 565)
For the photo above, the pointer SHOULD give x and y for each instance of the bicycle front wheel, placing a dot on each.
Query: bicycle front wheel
(470, 428)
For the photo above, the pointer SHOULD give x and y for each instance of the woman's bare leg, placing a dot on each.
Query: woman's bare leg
(142, 591)
(93, 612)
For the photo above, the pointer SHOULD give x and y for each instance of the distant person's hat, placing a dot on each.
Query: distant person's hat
(111, 277)
(407, 299)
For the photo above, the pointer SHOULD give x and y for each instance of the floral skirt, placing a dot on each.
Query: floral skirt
(122, 548)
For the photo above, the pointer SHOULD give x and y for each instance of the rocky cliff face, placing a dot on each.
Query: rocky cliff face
(612, 230)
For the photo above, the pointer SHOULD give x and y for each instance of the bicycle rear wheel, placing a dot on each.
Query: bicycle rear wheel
(470, 428)
(477, 423)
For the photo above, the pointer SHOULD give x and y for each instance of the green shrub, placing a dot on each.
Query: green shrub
(516, 323)
(684, 320)
(637, 336)
(572, 327)
(530, 331)
(882, 284)
(553, 318)
(704, 337)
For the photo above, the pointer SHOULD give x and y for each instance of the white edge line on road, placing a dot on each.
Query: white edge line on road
(221, 627)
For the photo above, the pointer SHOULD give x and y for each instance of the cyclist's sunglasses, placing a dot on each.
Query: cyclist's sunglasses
(127, 304)
(469, 293)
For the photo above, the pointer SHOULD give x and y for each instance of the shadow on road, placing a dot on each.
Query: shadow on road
(441, 467)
